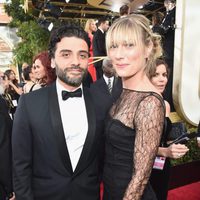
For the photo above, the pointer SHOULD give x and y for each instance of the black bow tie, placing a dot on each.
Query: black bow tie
(76, 93)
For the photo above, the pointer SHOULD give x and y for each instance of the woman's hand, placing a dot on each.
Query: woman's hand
(198, 141)
(12, 196)
(17, 89)
(176, 151)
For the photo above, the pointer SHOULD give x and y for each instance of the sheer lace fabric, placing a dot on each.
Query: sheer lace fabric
(142, 113)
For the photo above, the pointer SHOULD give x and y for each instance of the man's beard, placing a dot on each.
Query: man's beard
(62, 74)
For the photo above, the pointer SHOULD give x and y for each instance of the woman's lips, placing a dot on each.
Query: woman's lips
(121, 65)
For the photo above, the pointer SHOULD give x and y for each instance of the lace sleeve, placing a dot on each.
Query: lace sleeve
(148, 123)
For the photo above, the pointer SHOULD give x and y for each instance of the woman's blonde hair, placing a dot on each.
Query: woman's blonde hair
(135, 29)
(87, 24)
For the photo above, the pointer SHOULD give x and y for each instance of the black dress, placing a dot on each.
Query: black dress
(160, 178)
(132, 137)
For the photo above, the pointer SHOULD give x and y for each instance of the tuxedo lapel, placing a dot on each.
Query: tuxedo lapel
(87, 148)
(58, 127)
(103, 85)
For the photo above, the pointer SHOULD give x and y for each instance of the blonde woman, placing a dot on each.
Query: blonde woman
(135, 123)
(90, 28)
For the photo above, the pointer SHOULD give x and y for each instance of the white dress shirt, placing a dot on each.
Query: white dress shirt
(75, 123)
(106, 80)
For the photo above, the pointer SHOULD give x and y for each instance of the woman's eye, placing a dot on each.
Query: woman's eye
(156, 75)
(165, 74)
(113, 46)
(128, 45)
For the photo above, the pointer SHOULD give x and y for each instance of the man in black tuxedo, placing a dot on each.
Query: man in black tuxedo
(6, 190)
(107, 89)
(99, 48)
(56, 134)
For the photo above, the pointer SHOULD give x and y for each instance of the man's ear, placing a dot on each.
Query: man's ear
(148, 49)
(53, 64)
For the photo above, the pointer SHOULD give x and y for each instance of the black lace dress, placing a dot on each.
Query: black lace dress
(159, 179)
(132, 138)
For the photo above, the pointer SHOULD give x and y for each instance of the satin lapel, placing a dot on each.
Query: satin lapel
(87, 148)
(58, 128)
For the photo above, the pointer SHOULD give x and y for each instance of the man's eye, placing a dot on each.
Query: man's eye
(65, 54)
(84, 56)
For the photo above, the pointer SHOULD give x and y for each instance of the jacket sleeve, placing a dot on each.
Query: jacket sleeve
(22, 153)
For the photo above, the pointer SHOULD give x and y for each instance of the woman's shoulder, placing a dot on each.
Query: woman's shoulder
(36, 86)
(27, 86)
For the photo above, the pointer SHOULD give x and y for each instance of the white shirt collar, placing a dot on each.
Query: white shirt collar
(60, 88)
(106, 79)
(101, 30)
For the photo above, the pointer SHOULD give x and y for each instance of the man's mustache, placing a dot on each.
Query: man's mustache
(74, 67)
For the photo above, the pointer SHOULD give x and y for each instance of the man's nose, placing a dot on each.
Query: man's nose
(75, 60)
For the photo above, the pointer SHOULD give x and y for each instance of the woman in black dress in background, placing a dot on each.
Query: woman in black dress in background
(136, 120)
(14, 90)
(160, 177)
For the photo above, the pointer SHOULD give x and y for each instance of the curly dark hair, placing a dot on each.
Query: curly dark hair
(46, 62)
(68, 30)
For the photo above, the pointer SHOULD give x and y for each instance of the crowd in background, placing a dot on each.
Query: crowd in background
(106, 83)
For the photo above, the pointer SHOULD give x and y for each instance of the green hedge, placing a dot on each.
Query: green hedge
(194, 151)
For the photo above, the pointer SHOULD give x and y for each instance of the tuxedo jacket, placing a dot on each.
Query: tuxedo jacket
(98, 43)
(169, 34)
(99, 49)
(41, 162)
(102, 97)
(5, 151)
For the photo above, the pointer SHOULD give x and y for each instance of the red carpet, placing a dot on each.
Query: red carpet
(187, 192)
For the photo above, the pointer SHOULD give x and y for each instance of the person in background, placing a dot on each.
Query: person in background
(156, 21)
(124, 11)
(56, 141)
(5, 94)
(13, 90)
(108, 88)
(29, 85)
(6, 188)
(90, 28)
(22, 81)
(43, 71)
(99, 48)
(160, 176)
(136, 119)
(168, 35)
